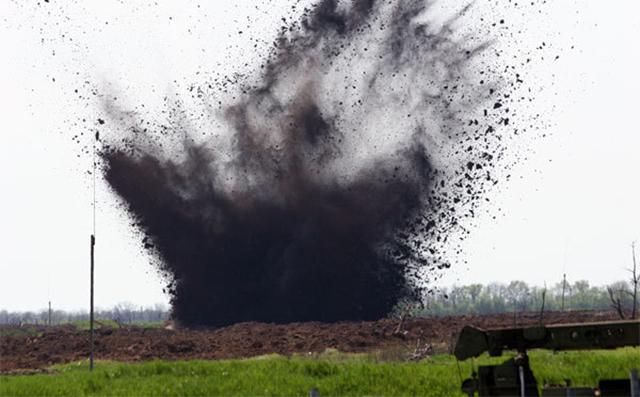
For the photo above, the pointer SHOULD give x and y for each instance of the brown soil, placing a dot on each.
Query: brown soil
(61, 344)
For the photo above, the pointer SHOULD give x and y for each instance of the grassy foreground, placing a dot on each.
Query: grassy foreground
(331, 373)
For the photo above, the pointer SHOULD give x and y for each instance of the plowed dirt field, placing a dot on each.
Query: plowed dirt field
(61, 344)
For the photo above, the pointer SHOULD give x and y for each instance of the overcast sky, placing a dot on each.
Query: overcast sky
(572, 206)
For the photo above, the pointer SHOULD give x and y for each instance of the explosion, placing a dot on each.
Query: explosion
(338, 177)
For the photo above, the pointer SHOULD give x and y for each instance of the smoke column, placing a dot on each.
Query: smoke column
(341, 171)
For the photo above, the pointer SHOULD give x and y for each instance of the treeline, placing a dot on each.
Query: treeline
(518, 296)
(123, 313)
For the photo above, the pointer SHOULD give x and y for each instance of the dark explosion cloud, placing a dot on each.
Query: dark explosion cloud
(341, 172)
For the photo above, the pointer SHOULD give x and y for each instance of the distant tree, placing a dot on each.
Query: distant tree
(580, 298)
(635, 281)
(474, 291)
(617, 294)
(518, 293)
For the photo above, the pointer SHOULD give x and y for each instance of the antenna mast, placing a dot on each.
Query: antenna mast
(93, 243)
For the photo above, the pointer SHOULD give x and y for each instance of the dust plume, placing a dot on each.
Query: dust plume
(340, 170)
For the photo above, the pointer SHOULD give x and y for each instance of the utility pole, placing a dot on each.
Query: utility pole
(49, 317)
(635, 280)
(564, 287)
(93, 243)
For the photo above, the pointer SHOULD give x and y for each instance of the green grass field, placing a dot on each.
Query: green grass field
(331, 373)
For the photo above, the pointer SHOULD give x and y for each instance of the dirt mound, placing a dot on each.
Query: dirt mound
(61, 344)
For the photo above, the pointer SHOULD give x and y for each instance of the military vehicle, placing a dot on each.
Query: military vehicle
(515, 377)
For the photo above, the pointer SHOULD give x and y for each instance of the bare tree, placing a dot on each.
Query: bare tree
(564, 288)
(616, 296)
(474, 291)
(635, 280)
(544, 295)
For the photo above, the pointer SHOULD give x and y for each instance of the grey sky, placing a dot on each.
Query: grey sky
(572, 206)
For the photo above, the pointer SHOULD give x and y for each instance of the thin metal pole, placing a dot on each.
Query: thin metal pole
(49, 317)
(634, 280)
(93, 243)
(564, 286)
